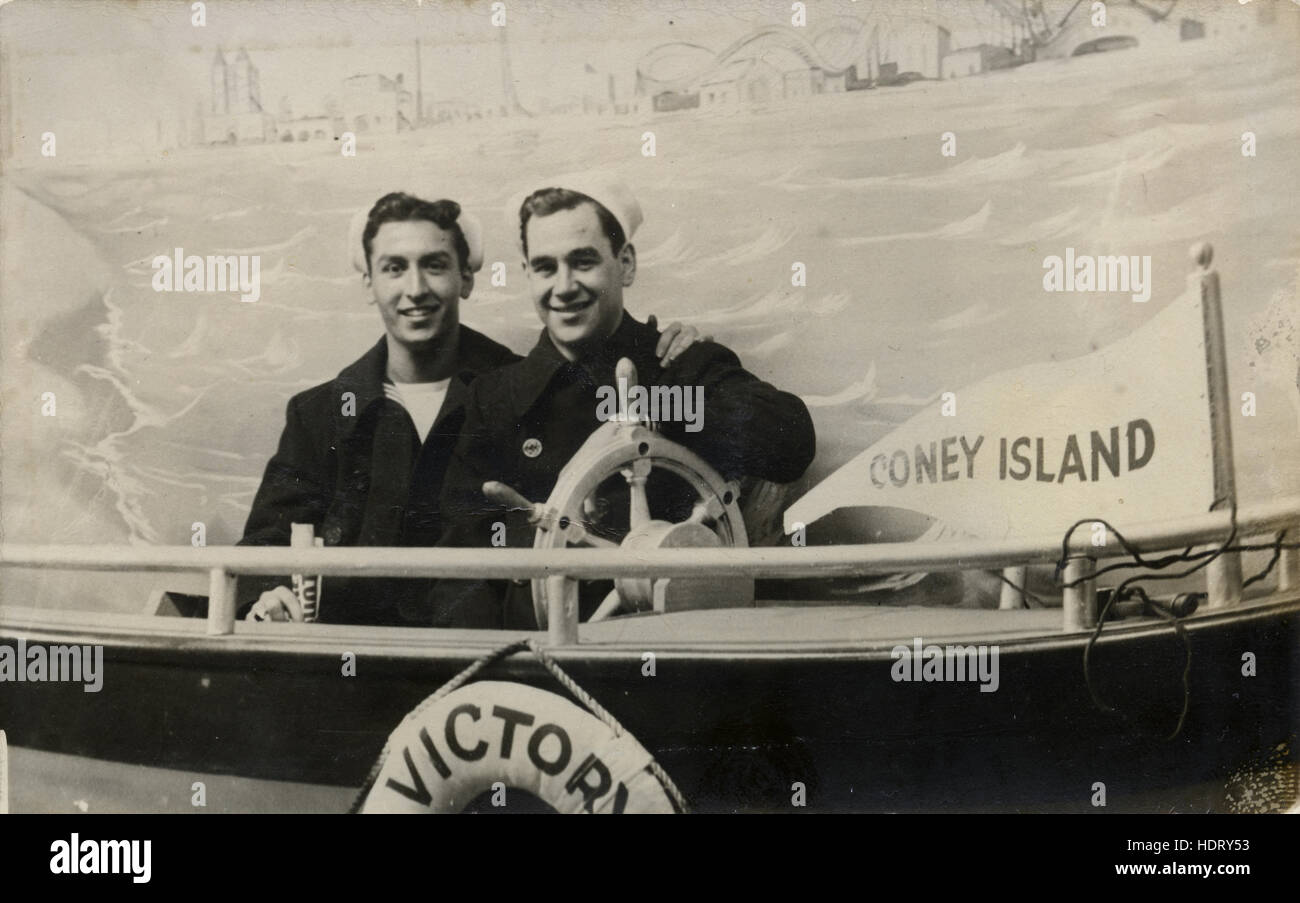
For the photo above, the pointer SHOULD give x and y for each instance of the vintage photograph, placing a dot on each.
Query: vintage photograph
(645, 406)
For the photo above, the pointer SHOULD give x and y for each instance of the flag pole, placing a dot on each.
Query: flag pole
(1223, 574)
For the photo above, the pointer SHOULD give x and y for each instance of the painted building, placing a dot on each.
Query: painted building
(1000, 23)
(372, 102)
(801, 82)
(218, 87)
(894, 48)
(234, 113)
(976, 60)
(309, 128)
(729, 84)
(769, 71)
(671, 101)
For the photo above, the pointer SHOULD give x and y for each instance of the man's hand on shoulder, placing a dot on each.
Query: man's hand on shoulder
(279, 604)
(675, 339)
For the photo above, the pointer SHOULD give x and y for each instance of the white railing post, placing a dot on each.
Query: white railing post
(1223, 574)
(221, 602)
(562, 613)
(1080, 601)
(1288, 563)
(1013, 597)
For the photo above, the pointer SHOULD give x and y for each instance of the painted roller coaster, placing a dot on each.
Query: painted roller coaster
(840, 42)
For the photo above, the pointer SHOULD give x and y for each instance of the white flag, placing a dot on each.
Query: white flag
(1122, 434)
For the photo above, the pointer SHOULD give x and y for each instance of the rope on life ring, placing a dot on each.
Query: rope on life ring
(544, 744)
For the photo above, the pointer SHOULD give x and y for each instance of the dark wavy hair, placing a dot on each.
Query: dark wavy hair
(545, 201)
(399, 207)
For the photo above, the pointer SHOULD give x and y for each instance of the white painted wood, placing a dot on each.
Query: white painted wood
(1011, 597)
(812, 561)
(1080, 602)
(1223, 574)
(221, 602)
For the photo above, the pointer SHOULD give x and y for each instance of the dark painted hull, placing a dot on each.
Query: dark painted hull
(735, 729)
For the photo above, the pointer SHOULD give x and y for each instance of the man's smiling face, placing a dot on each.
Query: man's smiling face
(417, 281)
(575, 277)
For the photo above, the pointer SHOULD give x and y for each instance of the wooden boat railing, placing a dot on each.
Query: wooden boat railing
(1079, 602)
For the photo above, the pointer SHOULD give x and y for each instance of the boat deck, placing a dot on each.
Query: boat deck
(772, 628)
(869, 626)
(790, 623)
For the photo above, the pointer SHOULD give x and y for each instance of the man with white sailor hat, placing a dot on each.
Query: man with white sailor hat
(362, 457)
(524, 421)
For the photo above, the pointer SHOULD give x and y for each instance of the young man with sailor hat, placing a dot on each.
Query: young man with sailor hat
(362, 457)
(525, 421)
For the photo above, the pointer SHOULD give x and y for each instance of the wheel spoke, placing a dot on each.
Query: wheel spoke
(706, 509)
(592, 541)
(640, 512)
(576, 534)
(639, 506)
(611, 604)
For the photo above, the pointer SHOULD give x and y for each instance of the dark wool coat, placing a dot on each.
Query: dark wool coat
(355, 468)
(524, 422)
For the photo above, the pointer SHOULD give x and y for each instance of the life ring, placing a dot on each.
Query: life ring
(489, 732)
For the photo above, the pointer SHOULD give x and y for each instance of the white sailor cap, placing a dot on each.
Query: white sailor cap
(607, 190)
(470, 227)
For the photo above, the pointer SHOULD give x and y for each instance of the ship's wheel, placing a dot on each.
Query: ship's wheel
(619, 459)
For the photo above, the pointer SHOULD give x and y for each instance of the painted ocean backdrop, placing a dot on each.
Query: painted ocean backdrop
(924, 273)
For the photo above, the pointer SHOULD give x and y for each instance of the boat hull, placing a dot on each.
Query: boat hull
(737, 728)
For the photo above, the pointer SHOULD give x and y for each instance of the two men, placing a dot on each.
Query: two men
(362, 457)
(524, 421)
